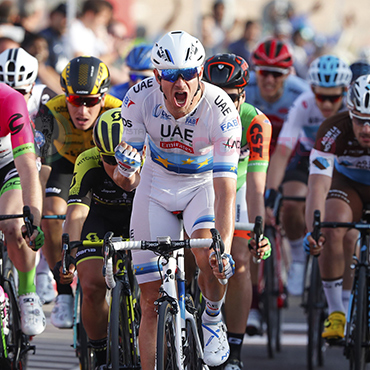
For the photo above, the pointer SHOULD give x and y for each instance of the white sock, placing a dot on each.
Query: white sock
(333, 293)
(42, 267)
(212, 312)
(296, 248)
(346, 293)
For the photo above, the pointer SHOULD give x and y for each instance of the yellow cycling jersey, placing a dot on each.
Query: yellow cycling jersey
(66, 140)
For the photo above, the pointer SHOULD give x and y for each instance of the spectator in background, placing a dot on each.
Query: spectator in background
(88, 34)
(244, 46)
(9, 16)
(37, 46)
(7, 43)
(54, 37)
(31, 15)
(140, 67)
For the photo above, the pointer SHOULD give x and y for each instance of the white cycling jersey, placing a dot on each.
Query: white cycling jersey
(303, 121)
(182, 158)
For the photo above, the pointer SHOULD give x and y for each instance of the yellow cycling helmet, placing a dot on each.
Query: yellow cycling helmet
(85, 76)
(108, 130)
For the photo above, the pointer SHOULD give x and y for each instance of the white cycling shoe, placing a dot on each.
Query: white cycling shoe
(44, 287)
(233, 364)
(62, 313)
(216, 346)
(33, 320)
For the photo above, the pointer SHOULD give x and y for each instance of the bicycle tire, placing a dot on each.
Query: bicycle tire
(361, 332)
(120, 329)
(16, 341)
(191, 354)
(166, 348)
(315, 318)
(269, 298)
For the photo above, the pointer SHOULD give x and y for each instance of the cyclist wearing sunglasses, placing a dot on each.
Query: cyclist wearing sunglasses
(329, 78)
(338, 186)
(140, 67)
(272, 87)
(193, 133)
(66, 123)
(96, 205)
(231, 73)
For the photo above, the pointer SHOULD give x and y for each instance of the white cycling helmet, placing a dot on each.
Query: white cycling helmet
(329, 71)
(177, 50)
(18, 68)
(358, 97)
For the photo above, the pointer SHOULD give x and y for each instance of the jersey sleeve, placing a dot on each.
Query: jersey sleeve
(133, 120)
(259, 138)
(84, 174)
(15, 115)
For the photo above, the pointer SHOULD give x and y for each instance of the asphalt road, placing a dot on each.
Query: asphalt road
(53, 347)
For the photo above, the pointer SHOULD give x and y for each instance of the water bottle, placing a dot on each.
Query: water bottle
(4, 306)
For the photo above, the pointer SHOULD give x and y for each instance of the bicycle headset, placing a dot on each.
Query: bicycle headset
(85, 76)
(18, 69)
(329, 71)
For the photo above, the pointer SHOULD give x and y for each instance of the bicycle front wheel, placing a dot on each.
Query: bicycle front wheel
(122, 343)
(361, 333)
(166, 348)
(315, 316)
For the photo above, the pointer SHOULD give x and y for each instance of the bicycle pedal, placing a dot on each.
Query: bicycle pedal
(338, 342)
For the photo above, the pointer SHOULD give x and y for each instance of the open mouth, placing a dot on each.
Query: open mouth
(180, 98)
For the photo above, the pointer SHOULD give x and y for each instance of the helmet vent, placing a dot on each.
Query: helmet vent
(367, 97)
(11, 67)
(187, 54)
(83, 74)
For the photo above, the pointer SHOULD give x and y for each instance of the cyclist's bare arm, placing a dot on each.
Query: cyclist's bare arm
(31, 186)
(225, 194)
(318, 189)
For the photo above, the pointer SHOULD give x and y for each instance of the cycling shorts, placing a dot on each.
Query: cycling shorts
(298, 167)
(9, 178)
(157, 197)
(241, 211)
(60, 179)
(355, 194)
(99, 221)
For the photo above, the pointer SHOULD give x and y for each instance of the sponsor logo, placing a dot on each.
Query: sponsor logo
(13, 126)
(127, 102)
(191, 121)
(53, 190)
(329, 139)
(222, 104)
(144, 84)
(229, 125)
(321, 163)
(158, 111)
(126, 122)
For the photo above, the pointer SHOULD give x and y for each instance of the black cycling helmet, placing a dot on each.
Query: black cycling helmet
(85, 76)
(226, 71)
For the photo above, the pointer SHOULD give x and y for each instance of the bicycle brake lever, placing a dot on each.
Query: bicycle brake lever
(107, 250)
(65, 252)
(258, 234)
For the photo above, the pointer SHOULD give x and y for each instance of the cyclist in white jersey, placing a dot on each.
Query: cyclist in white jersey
(329, 78)
(193, 134)
(272, 88)
(338, 186)
(20, 70)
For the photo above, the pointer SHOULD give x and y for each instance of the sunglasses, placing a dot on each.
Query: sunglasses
(172, 75)
(109, 159)
(266, 72)
(134, 77)
(87, 101)
(359, 121)
(332, 98)
(235, 97)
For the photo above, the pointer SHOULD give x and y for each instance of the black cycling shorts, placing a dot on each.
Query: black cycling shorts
(60, 179)
(298, 167)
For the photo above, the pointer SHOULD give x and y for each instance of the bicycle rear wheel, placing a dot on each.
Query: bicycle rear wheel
(166, 348)
(316, 307)
(272, 314)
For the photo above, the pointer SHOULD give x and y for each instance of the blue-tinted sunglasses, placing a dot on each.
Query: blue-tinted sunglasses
(172, 75)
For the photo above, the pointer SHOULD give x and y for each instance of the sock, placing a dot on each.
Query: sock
(27, 282)
(346, 293)
(212, 311)
(64, 288)
(235, 342)
(255, 297)
(333, 293)
(100, 349)
(296, 248)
